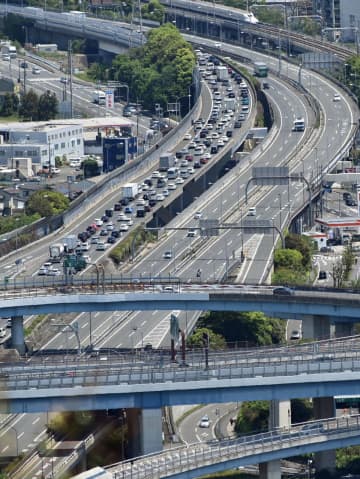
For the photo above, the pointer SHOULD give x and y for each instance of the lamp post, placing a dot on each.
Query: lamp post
(280, 206)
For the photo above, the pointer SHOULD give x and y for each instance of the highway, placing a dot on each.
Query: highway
(133, 331)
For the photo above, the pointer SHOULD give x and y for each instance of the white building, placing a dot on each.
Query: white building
(41, 141)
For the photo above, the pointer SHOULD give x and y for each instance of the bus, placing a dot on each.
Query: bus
(260, 69)
(299, 124)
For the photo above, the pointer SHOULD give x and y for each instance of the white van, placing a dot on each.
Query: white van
(172, 173)
(252, 211)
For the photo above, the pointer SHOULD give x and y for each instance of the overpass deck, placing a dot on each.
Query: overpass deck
(312, 370)
(205, 458)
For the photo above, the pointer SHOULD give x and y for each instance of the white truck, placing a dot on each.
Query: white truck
(8, 49)
(70, 243)
(229, 104)
(167, 160)
(56, 252)
(222, 72)
(99, 97)
(129, 191)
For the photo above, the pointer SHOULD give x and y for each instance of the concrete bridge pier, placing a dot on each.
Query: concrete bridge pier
(17, 334)
(280, 416)
(323, 408)
(144, 431)
(317, 327)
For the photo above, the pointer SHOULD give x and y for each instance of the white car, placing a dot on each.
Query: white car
(165, 193)
(110, 227)
(2, 332)
(42, 271)
(155, 174)
(179, 181)
(53, 272)
(198, 151)
(87, 258)
(187, 136)
(207, 155)
(190, 170)
(197, 215)
(214, 135)
(183, 163)
(167, 255)
(336, 97)
(220, 142)
(224, 138)
(123, 227)
(171, 186)
(98, 222)
(159, 197)
(204, 421)
(191, 145)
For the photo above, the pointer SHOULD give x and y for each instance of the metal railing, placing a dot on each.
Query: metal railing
(154, 368)
(201, 455)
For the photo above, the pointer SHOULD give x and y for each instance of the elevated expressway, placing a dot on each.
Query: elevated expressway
(151, 380)
(225, 198)
(207, 458)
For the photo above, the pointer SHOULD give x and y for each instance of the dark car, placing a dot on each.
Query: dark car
(104, 232)
(105, 219)
(266, 86)
(148, 182)
(152, 202)
(111, 239)
(229, 133)
(322, 274)
(350, 202)
(207, 142)
(231, 94)
(117, 207)
(214, 149)
(178, 155)
(237, 124)
(124, 201)
(115, 234)
(197, 164)
(346, 195)
(283, 291)
(147, 208)
(109, 213)
(82, 236)
(189, 158)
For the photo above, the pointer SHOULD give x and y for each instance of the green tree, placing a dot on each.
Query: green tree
(252, 327)
(46, 203)
(301, 410)
(10, 104)
(302, 244)
(91, 168)
(253, 417)
(153, 11)
(289, 277)
(29, 106)
(216, 341)
(288, 258)
(48, 106)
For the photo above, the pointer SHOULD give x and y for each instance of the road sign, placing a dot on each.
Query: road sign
(109, 99)
(270, 175)
(251, 226)
(209, 227)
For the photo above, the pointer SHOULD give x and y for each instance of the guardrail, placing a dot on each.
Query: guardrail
(230, 451)
(159, 370)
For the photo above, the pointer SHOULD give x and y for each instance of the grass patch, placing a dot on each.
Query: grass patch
(187, 413)
(34, 324)
(131, 244)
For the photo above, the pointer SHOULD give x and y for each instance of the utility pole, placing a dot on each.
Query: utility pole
(70, 68)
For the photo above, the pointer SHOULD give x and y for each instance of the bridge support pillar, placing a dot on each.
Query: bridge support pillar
(280, 416)
(144, 431)
(323, 408)
(317, 327)
(17, 334)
